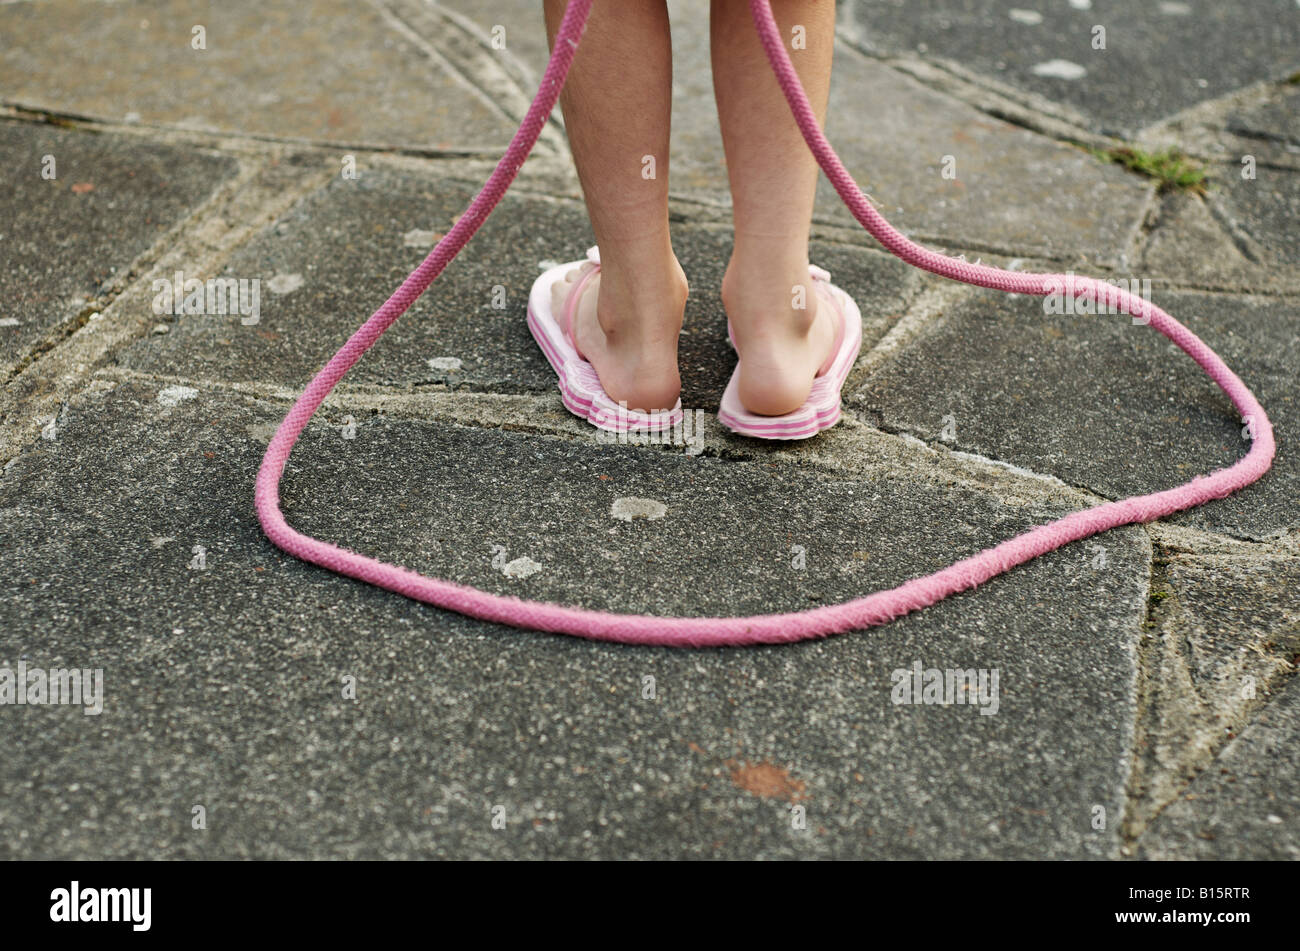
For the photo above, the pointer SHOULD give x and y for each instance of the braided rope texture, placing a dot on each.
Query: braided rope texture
(871, 610)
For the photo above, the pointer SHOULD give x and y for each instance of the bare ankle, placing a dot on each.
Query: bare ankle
(779, 298)
(641, 304)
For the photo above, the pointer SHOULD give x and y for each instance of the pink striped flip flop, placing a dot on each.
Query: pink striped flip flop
(822, 408)
(580, 388)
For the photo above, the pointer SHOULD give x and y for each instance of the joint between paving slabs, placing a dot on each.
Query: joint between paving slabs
(231, 141)
(63, 363)
(1173, 742)
(1047, 118)
(1012, 106)
(1209, 117)
(1133, 821)
(449, 43)
(543, 416)
(122, 282)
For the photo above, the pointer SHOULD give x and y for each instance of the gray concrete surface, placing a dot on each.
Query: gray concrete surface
(1148, 60)
(1244, 809)
(224, 682)
(1146, 696)
(1099, 401)
(81, 208)
(268, 69)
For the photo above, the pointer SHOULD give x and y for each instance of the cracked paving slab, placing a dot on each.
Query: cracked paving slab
(1265, 208)
(1222, 639)
(79, 208)
(1260, 122)
(1246, 804)
(224, 666)
(325, 266)
(1272, 126)
(261, 71)
(1241, 235)
(1159, 58)
(1192, 242)
(1101, 403)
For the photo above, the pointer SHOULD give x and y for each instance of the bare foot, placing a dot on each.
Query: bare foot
(627, 329)
(781, 344)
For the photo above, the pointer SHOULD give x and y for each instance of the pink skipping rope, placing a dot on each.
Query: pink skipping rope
(878, 608)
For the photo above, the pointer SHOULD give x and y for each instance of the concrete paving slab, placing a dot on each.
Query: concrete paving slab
(1159, 58)
(1224, 632)
(1265, 208)
(1193, 242)
(225, 673)
(1242, 233)
(1101, 403)
(938, 169)
(80, 207)
(516, 29)
(326, 266)
(1246, 804)
(1271, 128)
(261, 70)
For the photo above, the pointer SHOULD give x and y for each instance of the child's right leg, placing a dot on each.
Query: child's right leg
(617, 108)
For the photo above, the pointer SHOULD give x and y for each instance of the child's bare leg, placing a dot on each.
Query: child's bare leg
(773, 181)
(617, 107)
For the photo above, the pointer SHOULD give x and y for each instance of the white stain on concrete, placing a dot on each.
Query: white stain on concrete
(262, 432)
(520, 568)
(284, 283)
(630, 507)
(444, 363)
(1060, 69)
(417, 238)
(1027, 17)
(175, 395)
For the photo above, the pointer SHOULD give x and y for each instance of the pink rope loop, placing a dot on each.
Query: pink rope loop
(868, 611)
